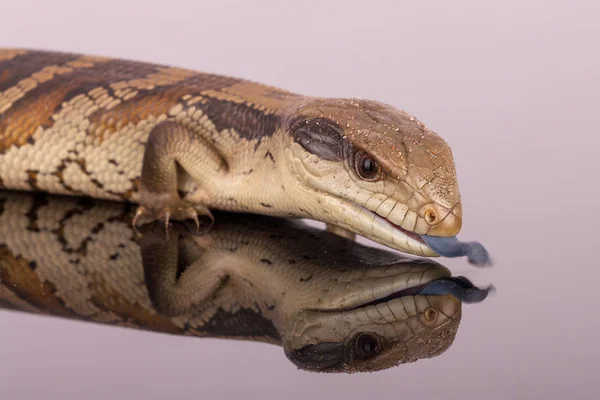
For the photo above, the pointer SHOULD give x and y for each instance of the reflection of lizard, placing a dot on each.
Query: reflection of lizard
(332, 304)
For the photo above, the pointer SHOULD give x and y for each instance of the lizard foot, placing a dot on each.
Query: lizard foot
(180, 211)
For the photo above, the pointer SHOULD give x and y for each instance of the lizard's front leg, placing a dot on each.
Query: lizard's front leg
(171, 145)
(171, 291)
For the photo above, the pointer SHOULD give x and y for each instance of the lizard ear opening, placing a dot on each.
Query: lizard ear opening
(319, 136)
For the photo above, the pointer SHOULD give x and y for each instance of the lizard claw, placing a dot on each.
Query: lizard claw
(181, 212)
(140, 212)
(167, 215)
(193, 215)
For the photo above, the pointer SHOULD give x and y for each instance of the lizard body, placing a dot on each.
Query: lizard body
(181, 142)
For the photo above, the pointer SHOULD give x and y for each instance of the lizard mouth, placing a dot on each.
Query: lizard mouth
(401, 237)
(460, 287)
(430, 246)
(408, 233)
(378, 228)
(433, 282)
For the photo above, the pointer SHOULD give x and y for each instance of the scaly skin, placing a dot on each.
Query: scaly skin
(181, 142)
(250, 277)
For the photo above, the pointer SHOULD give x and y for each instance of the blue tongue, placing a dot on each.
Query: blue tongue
(450, 246)
(459, 287)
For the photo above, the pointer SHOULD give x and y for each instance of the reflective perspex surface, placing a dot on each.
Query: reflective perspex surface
(332, 304)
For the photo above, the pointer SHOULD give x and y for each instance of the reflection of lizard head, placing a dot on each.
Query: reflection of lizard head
(334, 305)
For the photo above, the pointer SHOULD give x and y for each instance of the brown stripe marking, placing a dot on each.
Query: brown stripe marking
(261, 97)
(130, 91)
(26, 64)
(89, 73)
(18, 125)
(9, 54)
(105, 76)
(104, 122)
(18, 91)
(164, 76)
(247, 121)
(47, 74)
(109, 300)
(155, 95)
(19, 122)
(16, 274)
(5, 75)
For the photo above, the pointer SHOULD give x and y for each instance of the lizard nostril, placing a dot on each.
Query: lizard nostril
(430, 315)
(430, 216)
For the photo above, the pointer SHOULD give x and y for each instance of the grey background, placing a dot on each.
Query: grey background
(512, 86)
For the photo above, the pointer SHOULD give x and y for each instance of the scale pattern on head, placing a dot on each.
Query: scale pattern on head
(379, 158)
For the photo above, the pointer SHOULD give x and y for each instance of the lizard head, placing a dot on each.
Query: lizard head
(376, 170)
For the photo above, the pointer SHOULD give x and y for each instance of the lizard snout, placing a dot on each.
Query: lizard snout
(442, 221)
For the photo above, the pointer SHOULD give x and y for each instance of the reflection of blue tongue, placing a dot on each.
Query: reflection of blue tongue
(459, 287)
(450, 246)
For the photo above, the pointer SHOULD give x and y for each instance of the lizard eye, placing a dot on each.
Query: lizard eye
(366, 346)
(366, 167)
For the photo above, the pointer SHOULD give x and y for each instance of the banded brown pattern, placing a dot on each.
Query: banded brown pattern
(77, 124)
